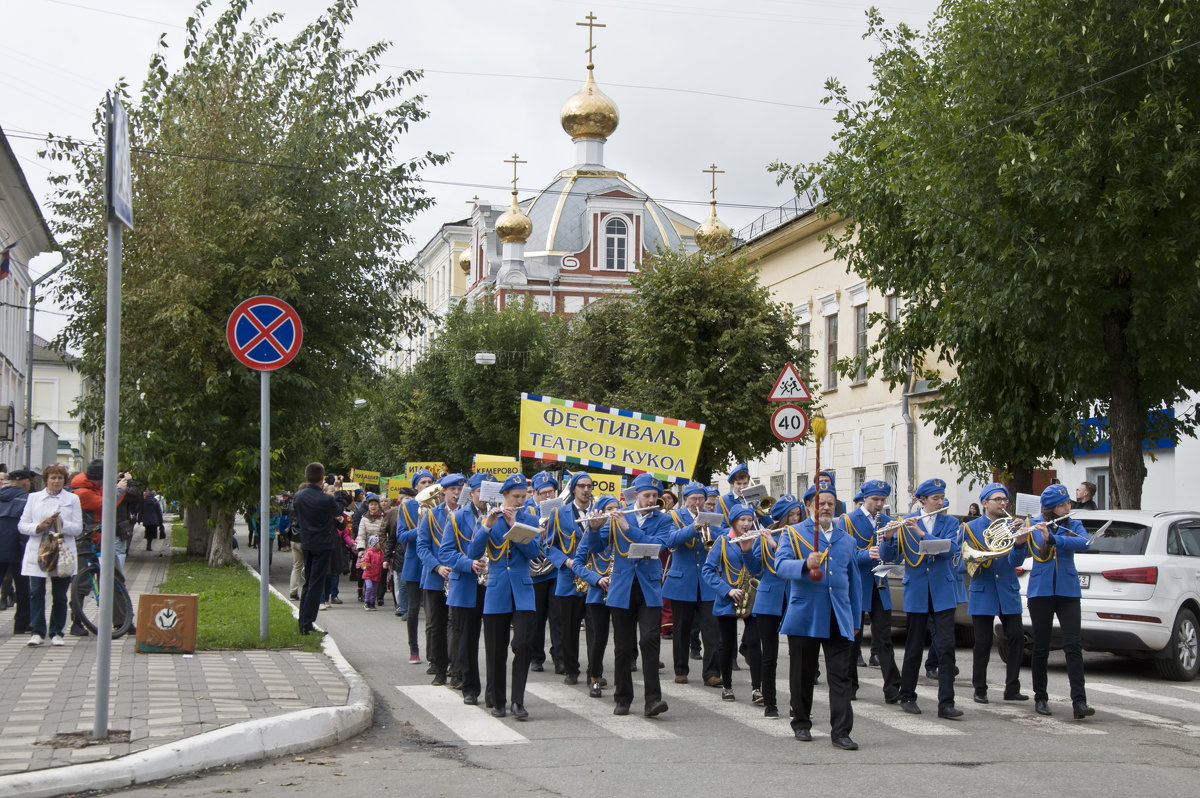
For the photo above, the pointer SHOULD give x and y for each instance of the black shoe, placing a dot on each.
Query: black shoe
(594, 690)
(439, 679)
(891, 699)
(950, 713)
(537, 667)
(980, 697)
(844, 743)
(803, 735)
(1015, 697)
(621, 709)
(560, 670)
(771, 712)
(756, 697)
(657, 708)
(910, 707)
(24, 630)
(571, 678)
(862, 663)
(79, 630)
(873, 662)
(398, 614)
(696, 655)
(498, 712)
(854, 695)
(1041, 706)
(431, 670)
(470, 700)
(518, 711)
(1082, 710)
(931, 673)
(304, 630)
(455, 684)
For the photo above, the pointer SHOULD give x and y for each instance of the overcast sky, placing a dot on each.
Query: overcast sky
(738, 83)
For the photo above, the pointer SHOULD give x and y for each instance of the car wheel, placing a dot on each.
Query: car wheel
(1180, 660)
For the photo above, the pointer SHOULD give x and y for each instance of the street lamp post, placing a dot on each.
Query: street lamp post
(33, 284)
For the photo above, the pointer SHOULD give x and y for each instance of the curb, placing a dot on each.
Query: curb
(265, 738)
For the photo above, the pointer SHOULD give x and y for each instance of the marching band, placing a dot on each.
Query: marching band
(814, 574)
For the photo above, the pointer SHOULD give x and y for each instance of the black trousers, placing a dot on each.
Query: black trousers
(914, 647)
(541, 604)
(767, 627)
(646, 622)
(496, 644)
(570, 614)
(466, 626)
(316, 574)
(1014, 641)
(750, 648)
(20, 595)
(689, 616)
(881, 647)
(803, 652)
(436, 623)
(598, 619)
(1042, 611)
(413, 617)
(554, 616)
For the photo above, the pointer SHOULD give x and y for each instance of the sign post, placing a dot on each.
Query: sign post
(789, 424)
(264, 333)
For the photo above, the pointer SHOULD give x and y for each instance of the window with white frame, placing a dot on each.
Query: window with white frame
(616, 245)
(831, 352)
(860, 343)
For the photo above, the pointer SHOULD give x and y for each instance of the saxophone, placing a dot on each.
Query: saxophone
(749, 586)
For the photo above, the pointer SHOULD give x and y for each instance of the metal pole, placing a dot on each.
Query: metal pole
(108, 518)
(29, 381)
(790, 487)
(264, 506)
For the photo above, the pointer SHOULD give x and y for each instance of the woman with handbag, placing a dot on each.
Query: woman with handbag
(51, 520)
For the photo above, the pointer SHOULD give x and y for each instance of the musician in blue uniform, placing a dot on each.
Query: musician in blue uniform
(593, 564)
(824, 611)
(465, 597)
(691, 597)
(508, 599)
(862, 524)
(433, 526)
(727, 569)
(771, 598)
(739, 480)
(635, 596)
(825, 480)
(564, 534)
(406, 530)
(929, 588)
(1053, 591)
(545, 487)
(995, 591)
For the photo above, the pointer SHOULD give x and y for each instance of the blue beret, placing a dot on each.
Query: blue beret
(738, 511)
(783, 505)
(693, 488)
(1054, 496)
(711, 491)
(832, 479)
(647, 482)
(452, 481)
(876, 487)
(740, 468)
(513, 482)
(808, 494)
(420, 474)
(478, 479)
(858, 497)
(990, 488)
(604, 502)
(574, 480)
(544, 479)
(930, 487)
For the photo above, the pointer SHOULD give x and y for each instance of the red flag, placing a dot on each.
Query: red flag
(6, 261)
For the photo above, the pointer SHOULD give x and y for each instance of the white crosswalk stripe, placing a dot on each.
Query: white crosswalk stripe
(471, 724)
(897, 719)
(600, 712)
(1190, 729)
(1049, 725)
(742, 712)
(1143, 695)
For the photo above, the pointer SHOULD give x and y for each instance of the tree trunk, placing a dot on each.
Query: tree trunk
(1020, 481)
(195, 520)
(220, 545)
(1126, 422)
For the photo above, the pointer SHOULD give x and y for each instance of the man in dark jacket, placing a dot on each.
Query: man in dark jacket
(314, 513)
(12, 545)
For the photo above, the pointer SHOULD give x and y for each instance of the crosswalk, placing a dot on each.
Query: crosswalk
(550, 699)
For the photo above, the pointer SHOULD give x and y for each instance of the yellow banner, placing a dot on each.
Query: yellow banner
(394, 484)
(497, 465)
(368, 479)
(602, 484)
(433, 468)
(608, 439)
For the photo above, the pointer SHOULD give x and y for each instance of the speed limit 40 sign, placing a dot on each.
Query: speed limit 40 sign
(789, 423)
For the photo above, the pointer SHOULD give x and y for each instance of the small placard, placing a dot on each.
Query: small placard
(489, 492)
(1029, 505)
(643, 551)
(521, 533)
(934, 546)
(753, 494)
(709, 519)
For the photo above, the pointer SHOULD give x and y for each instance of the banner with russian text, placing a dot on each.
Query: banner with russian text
(369, 479)
(602, 484)
(499, 466)
(434, 468)
(607, 438)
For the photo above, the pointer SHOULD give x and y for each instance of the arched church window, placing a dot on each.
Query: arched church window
(616, 239)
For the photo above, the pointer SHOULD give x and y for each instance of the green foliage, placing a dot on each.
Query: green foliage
(1022, 174)
(260, 166)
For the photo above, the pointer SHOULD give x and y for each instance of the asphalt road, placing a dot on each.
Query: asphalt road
(1144, 739)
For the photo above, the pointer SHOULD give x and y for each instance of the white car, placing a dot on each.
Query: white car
(1140, 585)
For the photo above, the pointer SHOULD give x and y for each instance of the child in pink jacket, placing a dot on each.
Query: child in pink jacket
(371, 563)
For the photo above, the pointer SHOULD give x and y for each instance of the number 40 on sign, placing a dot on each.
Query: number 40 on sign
(789, 423)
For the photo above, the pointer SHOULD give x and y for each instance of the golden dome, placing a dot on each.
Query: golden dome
(589, 112)
(464, 261)
(513, 225)
(712, 232)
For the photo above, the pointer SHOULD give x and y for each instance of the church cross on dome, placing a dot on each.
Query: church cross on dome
(714, 171)
(514, 161)
(591, 25)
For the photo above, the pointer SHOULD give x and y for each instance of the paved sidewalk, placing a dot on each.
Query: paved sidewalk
(47, 698)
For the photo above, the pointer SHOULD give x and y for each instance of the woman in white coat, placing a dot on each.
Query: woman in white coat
(41, 510)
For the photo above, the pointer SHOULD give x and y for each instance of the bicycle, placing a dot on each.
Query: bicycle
(85, 594)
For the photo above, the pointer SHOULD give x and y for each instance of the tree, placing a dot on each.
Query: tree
(260, 166)
(1022, 174)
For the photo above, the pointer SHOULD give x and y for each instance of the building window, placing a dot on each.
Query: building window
(572, 304)
(801, 485)
(543, 303)
(857, 478)
(893, 317)
(891, 475)
(860, 343)
(778, 485)
(616, 240)
(831, 352)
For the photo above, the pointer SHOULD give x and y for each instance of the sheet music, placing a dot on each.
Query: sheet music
(489, 492)
(709, 519)
(753, 494)
(1029, 505)
(934, 546)
(549, 506)
(888, 569)
(521, 533)
(629, 494)
(643, 551)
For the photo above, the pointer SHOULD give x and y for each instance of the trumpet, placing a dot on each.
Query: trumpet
(764, 505)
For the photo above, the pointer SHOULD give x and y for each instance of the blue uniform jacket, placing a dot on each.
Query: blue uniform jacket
(772, 595)
(994, 587)
(454, 553)
(928, 577)
(1056, 575)
(839, 591)
(647, 571)
(434, 526)
(862, 532)
(406, 533)
(593, 561)
(723, 568)
(564, 535)
(687, 555)
(509, 584)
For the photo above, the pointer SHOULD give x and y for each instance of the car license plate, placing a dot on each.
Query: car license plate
(1085, 580)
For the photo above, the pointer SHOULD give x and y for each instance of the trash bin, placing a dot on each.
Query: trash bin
(166, 623)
